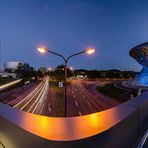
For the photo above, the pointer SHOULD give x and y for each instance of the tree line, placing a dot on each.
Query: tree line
(27, 73)
(113, 73)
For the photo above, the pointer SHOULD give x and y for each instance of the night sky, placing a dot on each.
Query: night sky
(112, 27)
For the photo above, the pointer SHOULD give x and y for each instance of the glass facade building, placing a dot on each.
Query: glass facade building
(140, 54)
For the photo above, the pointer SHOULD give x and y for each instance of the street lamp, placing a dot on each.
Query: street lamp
(87, 51)
(71, 68)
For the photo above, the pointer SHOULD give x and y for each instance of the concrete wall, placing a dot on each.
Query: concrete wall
(120, 127)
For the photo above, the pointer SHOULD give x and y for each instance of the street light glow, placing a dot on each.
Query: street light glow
(42, 50)
(71, 68)
(49, 69)
(90, 50)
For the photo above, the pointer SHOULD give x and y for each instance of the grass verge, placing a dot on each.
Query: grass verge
(59, 91)
(59, 101)
(111, 91)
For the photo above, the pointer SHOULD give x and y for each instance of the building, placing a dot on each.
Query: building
(9, 70)
(7, 75)
(11, 66)
(140, 54)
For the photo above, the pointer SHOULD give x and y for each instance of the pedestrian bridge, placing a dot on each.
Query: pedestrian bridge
(120, 126)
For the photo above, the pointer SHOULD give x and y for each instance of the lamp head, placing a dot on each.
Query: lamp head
(89, 51)
(42, 50)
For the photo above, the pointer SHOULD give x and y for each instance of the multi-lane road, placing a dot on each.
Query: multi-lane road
(30, 98)
(40, 98)
(83, 99)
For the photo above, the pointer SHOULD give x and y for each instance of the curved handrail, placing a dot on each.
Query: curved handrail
(65, 129)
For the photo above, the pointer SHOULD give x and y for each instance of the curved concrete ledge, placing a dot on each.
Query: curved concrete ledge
(64, 129)
(113, 127)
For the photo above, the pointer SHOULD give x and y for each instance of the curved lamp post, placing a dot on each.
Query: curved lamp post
(87, 51)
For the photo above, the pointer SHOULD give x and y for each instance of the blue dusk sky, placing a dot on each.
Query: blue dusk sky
(112, 27)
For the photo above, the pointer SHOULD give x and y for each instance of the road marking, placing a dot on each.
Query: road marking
(88, 103)
(74, 96)
(80, 114)
(84, 96)
(49, 109)
(75, 89)
(49, 104)
(76, 103)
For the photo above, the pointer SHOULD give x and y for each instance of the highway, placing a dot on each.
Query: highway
(34, 101)
(49, 106)
(29, 98)
(40, 98)
(83, 98)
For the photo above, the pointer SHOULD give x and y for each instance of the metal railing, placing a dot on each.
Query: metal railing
(2, 145)
(143, 140)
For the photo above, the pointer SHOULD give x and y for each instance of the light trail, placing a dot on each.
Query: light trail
(4, 86)
(27, 97)
(42, 96)
(41, 108)
(36, 100)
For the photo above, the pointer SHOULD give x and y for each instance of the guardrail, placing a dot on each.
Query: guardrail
(119, 126)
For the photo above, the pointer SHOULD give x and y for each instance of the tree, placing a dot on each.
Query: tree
(59, 73)
(26, 72)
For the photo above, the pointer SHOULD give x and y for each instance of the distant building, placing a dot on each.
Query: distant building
(11, 66)
(9, 69)
(7, 75)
